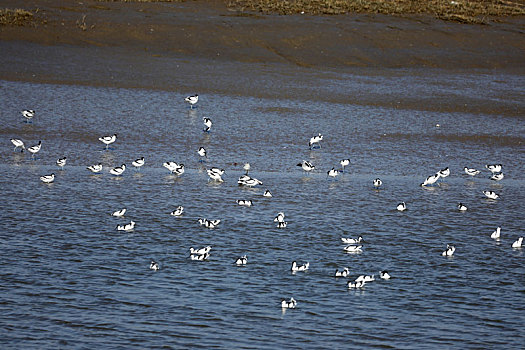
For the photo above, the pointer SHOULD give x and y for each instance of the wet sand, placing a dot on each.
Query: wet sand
(200, 46)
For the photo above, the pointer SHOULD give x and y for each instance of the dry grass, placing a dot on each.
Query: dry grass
(473, 11)
(16, 17)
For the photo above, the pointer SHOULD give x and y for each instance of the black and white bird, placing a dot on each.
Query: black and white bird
(207, 124)
(18, 143)
(244, 202)
(154, 265)
(365, 278)
(497, 176)
(137, 163)
(119, 213)
(279, 217)
(267, 194)
(28, 114)
(491, 194)
(108, 140)
(518, 243)
(61, 162)
(178, 211)
(342, 273)
(291, 304)
(353, 248)
(48, 178)
(462, 207)
(209, 223)
(471, 171)
(202, 153)
(248, 181)
(332, 173)
(378, 183)
(297, 268)
(494, 168)
(353, 285)
(35, 149)
(117, 171)
(200, 257)
(450, 250)
(215, 174)
(174, 167)
(95, 168)
(243, 260)
(402, 206)
(282, 224)
(200, 251)
(306, 165)
(344, 163)
(352, 240)
(432, 179)
(192, 100)
(496, 234)
(315, 140)
(444, 172)
(384, 275)
(126, 227)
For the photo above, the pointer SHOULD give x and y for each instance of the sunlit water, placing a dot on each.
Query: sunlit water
(70, 280)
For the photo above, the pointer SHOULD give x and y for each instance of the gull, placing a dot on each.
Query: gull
(291, 304)
(352, 240)
(178, 211)
(244, 202)
(192, 100)
(203, 153)
(306, 165)
(154, 265)
(497, 177)
(494, 168)
(343, 273)
(496, 234)
(332, 172)
(432, 179)
(137, 163)
(353, 248)
(344, 162)
(279, 217)
(119, 213)
(518, 243)
(200, 257)
(126, 227)
(117, 171)
(282, 224)
(247, 168)
(18, 143)
(303, 267)
(378, 183)
(96, 168)
(491, 194)
(28, 114)
(267, 193)
(35, 149)
(384, 275)
(200, 251)
(215, 174)
(315, 140)
(444, 172)
(108, 140)
(402, 206)
(61, 162)
(471, 171)
(462, 207)
(241, 261)
(207, 124)
(450, 250)
(352, 285)
(48, 178)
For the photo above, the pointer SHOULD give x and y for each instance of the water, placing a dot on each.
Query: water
(70, 280)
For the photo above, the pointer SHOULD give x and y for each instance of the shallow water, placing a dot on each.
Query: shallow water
(70, 280)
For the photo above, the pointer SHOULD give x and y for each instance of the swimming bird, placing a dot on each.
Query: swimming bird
(352, 285)
(209, 223)
(200, 251)
(384, 275)
(137, 163)
(282, 224)
(48, 178)
(18, 143)
(365, 278)
(496, 234)
(202, 153)
(108, 140)
(279, 217)
(518, 243)
(28, 114)
(353, 248)
(352, 240)
(402, 206)
(306, 165)
(154, 265)
(243, 260)
(61, 162)
(450, 250)
(178, 211)
(200, 257)
(248, 181)
(244, 202)
(192, 100)
(343, 273)
(119, 213)
(432, 179)
(497, 177)
(247, 168)
(315, 140)
(462, 207)
(344, 163)
(291, 304)
(35, 149)
(117, 171)
(377, 183)
(267, 194)
(444, 172)
(96, 168)
(471, 171)
(303, 267)
(494, 168)
(126, 227)
(332, 172)
(491, 194)
(207, 124)
(215, 174)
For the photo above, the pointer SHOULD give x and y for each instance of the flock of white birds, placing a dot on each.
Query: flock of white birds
(352, 245)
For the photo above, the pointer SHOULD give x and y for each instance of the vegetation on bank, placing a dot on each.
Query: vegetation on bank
(16, 17)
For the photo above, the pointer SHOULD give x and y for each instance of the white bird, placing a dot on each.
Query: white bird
(402, 206)
(462, 207)
(267, 193)
(432, 179)
(352, 285)
(450, 250)
(244, 202)
(497, 177)
(119, 213)
(496, 234)
(343, 273)
(202, 152)
(247, 168)
(200, 251)
(126, 227)
(352, 240)
(95, 168)
(332, 172)
(48, 178)
(279, 217)
(154, 265)
(282, 224)
(518, 243)
(315, 140)
(18, 143)
(444, 172)
(192, 100)
(353, 248)
(289, 304)
(207, 124)
(178, 171)
(215, 175)
(171, 166)
(35, 149)
(178, 211)
(243, 260)
(209, 223)
(494, 168)
(28, 114)
(491, 194)
(61, 162)
(384, 275)
(471, 171)
(246, 180)
(117, 171)
(377, 183)
(365, 278)
(303, 267)
(344, 163)
(108, 140)
(306, 165)
(200, 257)
(137, 163)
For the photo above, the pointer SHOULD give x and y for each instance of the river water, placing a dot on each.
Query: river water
(71, 280)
